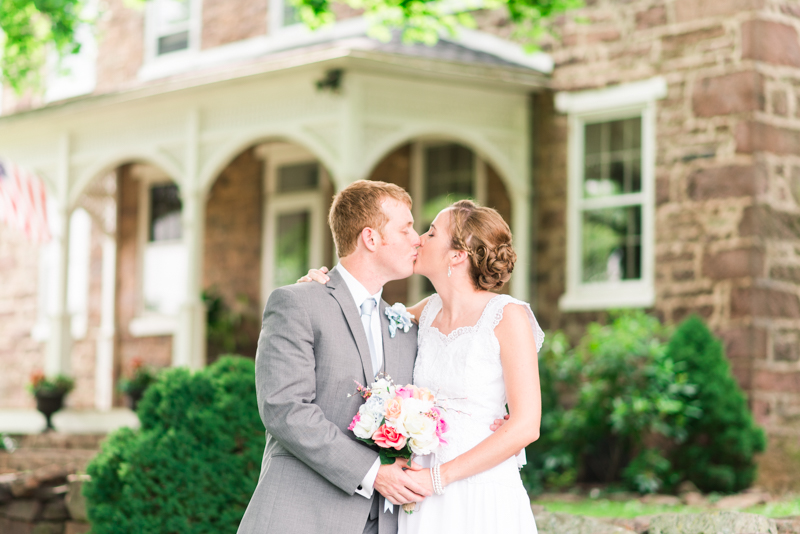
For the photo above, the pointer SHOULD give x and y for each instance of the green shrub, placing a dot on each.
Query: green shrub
(718, 452)
(603, 401)
(193, 465)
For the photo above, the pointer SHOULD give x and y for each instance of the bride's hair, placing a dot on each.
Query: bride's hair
(486, 238)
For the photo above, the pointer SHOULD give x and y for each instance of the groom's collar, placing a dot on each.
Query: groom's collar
(357, 289)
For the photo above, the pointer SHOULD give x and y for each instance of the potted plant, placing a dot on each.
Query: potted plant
(49, 393)
(135, 386)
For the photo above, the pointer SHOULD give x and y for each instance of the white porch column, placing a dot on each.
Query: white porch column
(189, 343)
(521, 230)
(59, 342)
(104, 366)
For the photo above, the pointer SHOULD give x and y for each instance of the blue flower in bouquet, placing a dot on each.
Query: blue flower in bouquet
(398, 318)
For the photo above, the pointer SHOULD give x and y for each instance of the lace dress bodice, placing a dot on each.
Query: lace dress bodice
(464, 371)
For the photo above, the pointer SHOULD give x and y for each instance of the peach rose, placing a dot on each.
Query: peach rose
(394, 408)
(389, 438)
(423, 394)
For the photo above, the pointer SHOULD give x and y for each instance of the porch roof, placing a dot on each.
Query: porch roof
(447, 59)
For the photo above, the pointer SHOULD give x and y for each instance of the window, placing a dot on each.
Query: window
(294, 214)
(172, 26)
(75, 74)
(163, 262)
(161, 254)
(611, 187)
(286, 15)
(442, 173)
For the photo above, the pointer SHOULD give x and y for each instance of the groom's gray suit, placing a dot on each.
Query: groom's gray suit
(311, 349)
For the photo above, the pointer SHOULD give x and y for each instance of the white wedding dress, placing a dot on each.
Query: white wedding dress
(464, 371)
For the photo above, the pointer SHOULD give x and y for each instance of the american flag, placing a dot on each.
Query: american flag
(23, 202)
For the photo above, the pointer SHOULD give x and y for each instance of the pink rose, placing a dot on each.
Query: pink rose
(356, 419)
(394, 408)
(405, 392)
(389, 438)
(441, 428)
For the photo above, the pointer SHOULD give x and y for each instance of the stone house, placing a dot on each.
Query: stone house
(649, 158)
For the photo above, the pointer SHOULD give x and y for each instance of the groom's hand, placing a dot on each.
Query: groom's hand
(498, 423)
(394, 484)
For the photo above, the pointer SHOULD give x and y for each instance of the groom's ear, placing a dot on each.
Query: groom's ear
(370, 238)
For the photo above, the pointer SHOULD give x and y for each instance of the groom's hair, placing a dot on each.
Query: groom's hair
(358, 206)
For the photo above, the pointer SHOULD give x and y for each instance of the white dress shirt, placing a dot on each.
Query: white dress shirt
(360, 294)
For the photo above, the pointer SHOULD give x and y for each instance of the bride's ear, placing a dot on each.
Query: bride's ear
(457, 257)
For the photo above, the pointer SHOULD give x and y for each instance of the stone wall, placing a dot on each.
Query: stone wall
(20, 354)
(233, 238)
(727, 174)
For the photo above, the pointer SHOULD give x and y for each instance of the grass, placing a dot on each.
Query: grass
(634, 508)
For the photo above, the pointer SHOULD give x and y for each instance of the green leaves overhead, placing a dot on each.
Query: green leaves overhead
(30, 30)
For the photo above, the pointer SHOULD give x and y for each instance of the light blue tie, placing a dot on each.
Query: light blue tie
(367, 307)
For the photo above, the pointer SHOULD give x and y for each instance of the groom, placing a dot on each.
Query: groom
(315, 341)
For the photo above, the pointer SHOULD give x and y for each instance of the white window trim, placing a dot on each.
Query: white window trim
(417, 185)
(276, 12)
(151, 57)
(276, 155)
(147, 323)
(620, 102)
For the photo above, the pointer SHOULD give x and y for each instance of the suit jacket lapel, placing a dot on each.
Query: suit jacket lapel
(338, 289)
(389, 347)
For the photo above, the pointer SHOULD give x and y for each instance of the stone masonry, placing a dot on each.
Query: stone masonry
(727, 176)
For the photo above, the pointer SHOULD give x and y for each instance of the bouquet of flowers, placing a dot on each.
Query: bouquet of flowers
(401, 420)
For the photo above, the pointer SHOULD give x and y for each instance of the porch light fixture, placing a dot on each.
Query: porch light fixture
(331, 81)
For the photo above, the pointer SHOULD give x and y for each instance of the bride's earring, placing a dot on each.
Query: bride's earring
(449, 272)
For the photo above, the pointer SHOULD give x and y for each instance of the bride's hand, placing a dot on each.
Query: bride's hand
(421, 476)
(316, 275)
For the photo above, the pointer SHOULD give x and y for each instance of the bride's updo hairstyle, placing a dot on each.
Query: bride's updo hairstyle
(486, 238)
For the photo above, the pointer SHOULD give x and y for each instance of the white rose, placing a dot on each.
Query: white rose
(423, 445)
(419, 426)
(383, 389)
(366, 426)
(375, 406)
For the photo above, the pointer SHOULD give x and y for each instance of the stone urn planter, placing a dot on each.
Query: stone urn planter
(49, 394)
(135, 386)
(48, 404)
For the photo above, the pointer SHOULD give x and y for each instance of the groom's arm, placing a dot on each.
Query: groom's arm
(286, 387)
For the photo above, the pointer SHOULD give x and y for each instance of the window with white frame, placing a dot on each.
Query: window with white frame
(161, 253)
(172, 26)
(610, 220)
(442, 172)
(75, 74)
(283, 14)
(294, 214)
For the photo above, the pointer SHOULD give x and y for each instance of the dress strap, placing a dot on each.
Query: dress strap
(494, 315)
(430, 310)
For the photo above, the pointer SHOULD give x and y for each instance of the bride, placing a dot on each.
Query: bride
(478, 351)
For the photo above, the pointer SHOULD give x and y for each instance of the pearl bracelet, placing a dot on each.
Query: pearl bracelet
(436, 478)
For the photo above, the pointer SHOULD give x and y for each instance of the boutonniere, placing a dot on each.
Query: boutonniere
(398, 318)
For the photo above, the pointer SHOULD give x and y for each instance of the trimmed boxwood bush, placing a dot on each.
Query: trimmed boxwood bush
(193, 465)
(718, 452)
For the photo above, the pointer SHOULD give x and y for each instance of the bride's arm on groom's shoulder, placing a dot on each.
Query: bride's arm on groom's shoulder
(416, 309)
(521, 374)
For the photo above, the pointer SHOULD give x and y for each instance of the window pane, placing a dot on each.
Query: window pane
(612, 156)
(612, 248)
(291, 15)
(300, 177)
(449, 173)
(292, 250)
(172, 12)
(163, 276)
(173, 43)
(165, 213)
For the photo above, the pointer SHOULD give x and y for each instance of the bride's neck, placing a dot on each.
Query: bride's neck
(458, 298)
